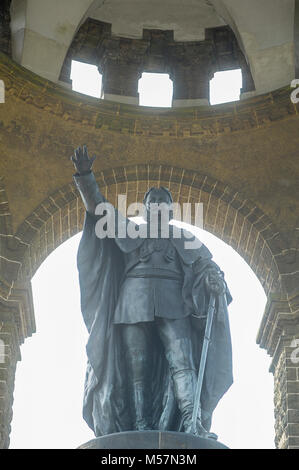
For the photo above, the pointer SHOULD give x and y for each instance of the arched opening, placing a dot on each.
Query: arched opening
(226, 215)
(49, 381)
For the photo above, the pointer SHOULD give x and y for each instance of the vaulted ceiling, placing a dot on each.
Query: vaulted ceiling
(42, 31)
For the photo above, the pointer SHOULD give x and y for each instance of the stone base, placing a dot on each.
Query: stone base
(152, 440)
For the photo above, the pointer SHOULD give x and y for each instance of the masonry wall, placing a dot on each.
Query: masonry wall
(240, 160)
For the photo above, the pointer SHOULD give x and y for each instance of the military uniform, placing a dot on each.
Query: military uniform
(153, 286)
(151, 302)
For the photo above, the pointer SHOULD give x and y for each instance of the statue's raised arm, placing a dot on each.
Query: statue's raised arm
(85, 179)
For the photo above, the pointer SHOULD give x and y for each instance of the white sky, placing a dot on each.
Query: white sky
(86, 79)
(155, 89)
(49, 379)
(225, 86)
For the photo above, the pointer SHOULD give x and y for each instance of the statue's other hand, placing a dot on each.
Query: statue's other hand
(81, 160)
(215, 282)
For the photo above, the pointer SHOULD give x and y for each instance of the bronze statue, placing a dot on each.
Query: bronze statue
(145, 303)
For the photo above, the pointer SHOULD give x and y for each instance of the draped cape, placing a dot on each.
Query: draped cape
(106, 401)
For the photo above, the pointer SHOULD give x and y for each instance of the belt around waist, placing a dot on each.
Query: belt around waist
(155, 274)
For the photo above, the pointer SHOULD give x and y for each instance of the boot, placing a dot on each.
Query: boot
(139, 388)
(184, 377)
(140, 406)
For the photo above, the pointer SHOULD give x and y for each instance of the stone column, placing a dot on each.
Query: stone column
(286, 387)
(192, 67)
(121, 66)
(5, 35)
(191, 87)
(279, 334)
(16, 312)
(9, 355)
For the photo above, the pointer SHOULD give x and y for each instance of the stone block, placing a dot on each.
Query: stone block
(293, 400)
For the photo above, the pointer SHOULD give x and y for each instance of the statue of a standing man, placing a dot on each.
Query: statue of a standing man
(144, 302)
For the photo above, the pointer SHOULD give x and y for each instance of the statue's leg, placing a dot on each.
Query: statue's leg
(136, 341)
(176, 338)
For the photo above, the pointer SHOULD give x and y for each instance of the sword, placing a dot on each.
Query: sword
(196, 408)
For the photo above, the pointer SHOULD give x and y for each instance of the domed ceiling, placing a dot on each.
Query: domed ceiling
(42, 31)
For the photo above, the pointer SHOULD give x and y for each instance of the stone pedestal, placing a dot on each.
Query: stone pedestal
(152, 440)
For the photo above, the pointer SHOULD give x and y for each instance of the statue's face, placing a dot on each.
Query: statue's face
(157, 196)
(158, 207)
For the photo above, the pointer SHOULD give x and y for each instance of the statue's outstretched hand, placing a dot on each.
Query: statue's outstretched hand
(81, 160)
(215, 282)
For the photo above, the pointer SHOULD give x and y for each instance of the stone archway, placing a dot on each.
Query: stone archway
(227, 215)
